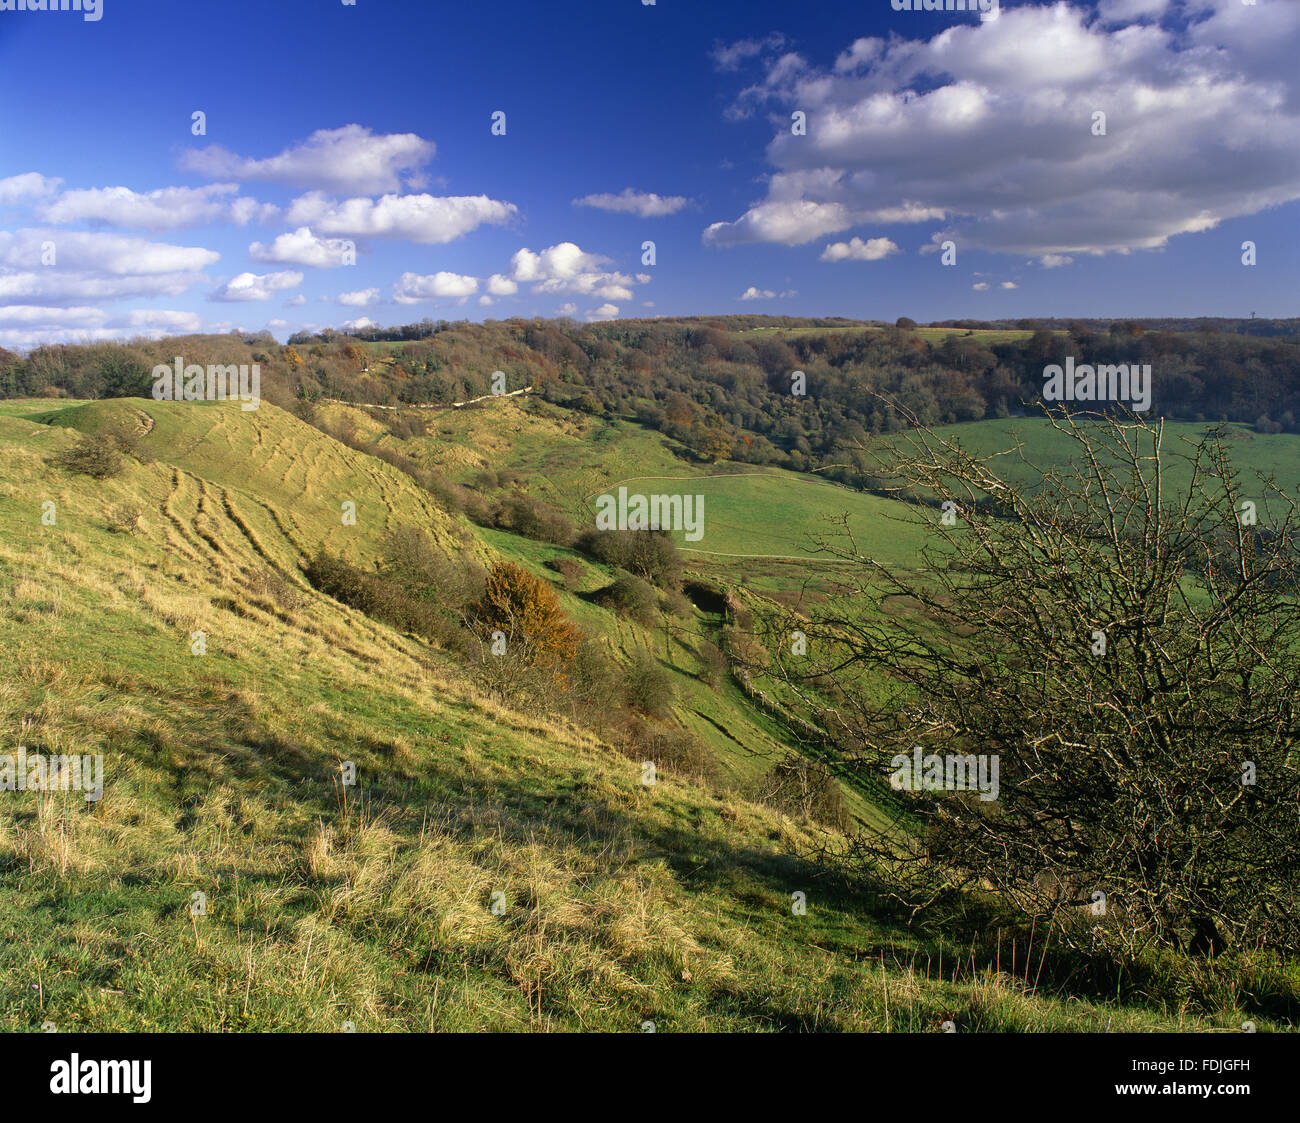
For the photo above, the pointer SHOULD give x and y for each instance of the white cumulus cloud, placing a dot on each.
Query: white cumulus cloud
(987, 128)
(29, 185)
(643, 204)
(165, 320)
(167, 208)
(62, 268)
(364, 298)
(566, 269)
(351, 160)
(855, 249)
(412, 288)
(428, 219)
(302, 247)
(118, 254)
(255, 286)
(36, 316)
(789, 222)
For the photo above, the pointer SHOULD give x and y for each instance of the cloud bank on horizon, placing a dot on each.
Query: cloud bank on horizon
(1057, 135)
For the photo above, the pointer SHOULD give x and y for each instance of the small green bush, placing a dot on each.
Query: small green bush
(387, 600)
(631, 597)
(646, 685)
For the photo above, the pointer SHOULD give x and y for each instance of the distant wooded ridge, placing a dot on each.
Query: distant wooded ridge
(805, 394)
(1243, 325)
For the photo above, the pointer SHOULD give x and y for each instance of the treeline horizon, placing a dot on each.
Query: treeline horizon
(721, 386)
(1239, 325)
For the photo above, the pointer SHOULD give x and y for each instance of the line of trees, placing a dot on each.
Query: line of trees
(724, 388)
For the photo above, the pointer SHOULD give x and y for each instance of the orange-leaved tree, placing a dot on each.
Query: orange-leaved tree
(527, 612)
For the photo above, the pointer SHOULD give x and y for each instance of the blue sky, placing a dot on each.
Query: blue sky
(331, 126)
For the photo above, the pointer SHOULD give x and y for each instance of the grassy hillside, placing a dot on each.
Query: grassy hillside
(489, 870)
(569, 459)
(272, 474)
(1272, 454)
(1022, 448)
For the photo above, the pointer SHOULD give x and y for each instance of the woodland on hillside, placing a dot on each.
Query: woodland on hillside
(725, 388)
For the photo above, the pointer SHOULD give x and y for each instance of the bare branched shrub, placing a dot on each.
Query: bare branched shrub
(569, 570)
(713, 663)
(412, 557)
(1122, 635)
(95, 455)
(673, 750)
(124, 520)
(273, 586)
(805, 789)
(388, 600)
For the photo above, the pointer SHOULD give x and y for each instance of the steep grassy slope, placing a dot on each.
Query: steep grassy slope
(744, 742)
(273, 474)
(558, 454)
(487, 871)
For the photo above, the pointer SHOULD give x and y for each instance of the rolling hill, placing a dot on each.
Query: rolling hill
(489, 869)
